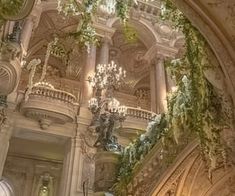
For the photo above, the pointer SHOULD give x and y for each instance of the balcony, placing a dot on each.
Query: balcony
(136, 122)
(48, 106)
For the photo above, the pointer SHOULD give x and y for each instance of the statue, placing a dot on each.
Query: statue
(105, 128)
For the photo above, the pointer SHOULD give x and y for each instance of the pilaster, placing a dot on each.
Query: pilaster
(104, 50)
(6, 127)
(160, 84)
(31, 22)
(89, 70)
(153, 89)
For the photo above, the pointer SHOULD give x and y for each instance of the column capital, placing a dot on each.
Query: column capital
(106, 40)
(159, 58)
(103, 30)
(160, 50)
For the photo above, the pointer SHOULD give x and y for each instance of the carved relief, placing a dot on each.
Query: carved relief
(32, 176)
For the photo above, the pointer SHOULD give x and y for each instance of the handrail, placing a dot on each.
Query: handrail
(53, 93)
(147, 7)
(140, 113)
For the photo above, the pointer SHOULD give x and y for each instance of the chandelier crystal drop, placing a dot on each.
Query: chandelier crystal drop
(107, 76)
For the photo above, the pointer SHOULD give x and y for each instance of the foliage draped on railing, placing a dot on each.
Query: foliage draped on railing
(135, 152)
(86, 10)
(194, 107)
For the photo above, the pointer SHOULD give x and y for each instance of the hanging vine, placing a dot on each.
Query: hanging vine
(194, 108)
(86, 33)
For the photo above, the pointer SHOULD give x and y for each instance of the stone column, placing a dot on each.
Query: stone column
(67, 168)
(104, 50)
(161, 84)
(153, 88)
(5, 135)
(26, 33)
(170, 82)
(31, 22)
(76, 175)
(71, 184)
(89, 70)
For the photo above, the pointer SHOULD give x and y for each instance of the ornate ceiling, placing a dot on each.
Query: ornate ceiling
(130, 57)
(52, 25)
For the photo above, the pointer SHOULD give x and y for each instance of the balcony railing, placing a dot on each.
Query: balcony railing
(140, 113)
(53, 94)
(150, 8)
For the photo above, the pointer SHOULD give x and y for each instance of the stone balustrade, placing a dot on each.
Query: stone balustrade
(53, 94)
(140, 113)
(151, 8)
(136, 122)
(49, 105)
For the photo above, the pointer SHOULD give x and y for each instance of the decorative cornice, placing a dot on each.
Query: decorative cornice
(160, 50)
(103, 30)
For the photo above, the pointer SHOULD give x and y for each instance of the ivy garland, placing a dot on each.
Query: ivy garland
(194, 107)
(136, 151)
(86, 34)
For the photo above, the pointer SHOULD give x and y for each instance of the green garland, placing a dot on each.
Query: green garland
(194, 108)
(86, 34)
(200, 110)
(135, 152)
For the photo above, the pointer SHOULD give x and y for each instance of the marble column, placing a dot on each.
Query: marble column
(26, 33)
(5, 135)
(76, 175)
(67, 168)
(104, 50)
(161, 84)
(170, 81)
(71, 183)
(30, 23)
(153, 88)
(89, 70)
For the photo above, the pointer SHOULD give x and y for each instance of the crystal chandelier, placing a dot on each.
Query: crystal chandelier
(107, 112)
(108, 7)
(107, 76)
